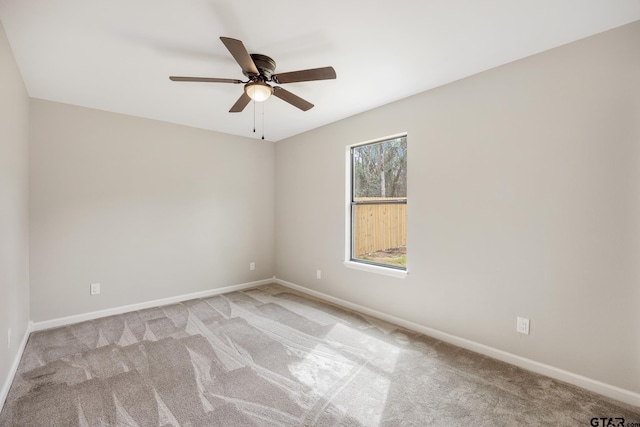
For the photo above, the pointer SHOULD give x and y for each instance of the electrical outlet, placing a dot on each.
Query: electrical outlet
(252, 266)
(9, 338)
(95, 288)
(318, 274)
(522, 326)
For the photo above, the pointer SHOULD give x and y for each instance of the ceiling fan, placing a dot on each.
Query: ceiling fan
(259, 69)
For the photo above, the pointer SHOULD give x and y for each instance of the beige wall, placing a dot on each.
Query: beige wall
(14, 231)
(523, 201)
(148, 209)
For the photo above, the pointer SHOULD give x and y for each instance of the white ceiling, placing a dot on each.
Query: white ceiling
(116, 55)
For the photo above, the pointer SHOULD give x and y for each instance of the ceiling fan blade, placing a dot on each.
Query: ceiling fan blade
(240, 103)
(203, 79)
(240, 54)
(324, 73)
(292, 99)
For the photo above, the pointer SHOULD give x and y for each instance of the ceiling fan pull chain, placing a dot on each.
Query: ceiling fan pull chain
(263, 120)
(254, 116)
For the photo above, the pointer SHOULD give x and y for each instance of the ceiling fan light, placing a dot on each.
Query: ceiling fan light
(258, 91)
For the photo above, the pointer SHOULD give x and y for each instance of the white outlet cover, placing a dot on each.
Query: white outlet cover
(318, 274)
(522, 326)
(95, 288)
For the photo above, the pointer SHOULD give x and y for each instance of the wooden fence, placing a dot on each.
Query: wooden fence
(379, 227)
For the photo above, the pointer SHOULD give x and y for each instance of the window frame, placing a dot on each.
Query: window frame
(350, 261)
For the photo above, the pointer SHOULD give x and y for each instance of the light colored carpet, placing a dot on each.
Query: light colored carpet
(272, 357)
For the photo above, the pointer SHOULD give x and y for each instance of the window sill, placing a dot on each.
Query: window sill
(400, 274)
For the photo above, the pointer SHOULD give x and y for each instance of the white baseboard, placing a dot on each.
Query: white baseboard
(63, 321)
(4, 392)
(590, 384)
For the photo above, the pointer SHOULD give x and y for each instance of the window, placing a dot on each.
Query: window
(378, 203)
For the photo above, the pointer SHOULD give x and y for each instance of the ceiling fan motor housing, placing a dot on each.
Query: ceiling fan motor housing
(265, 65)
